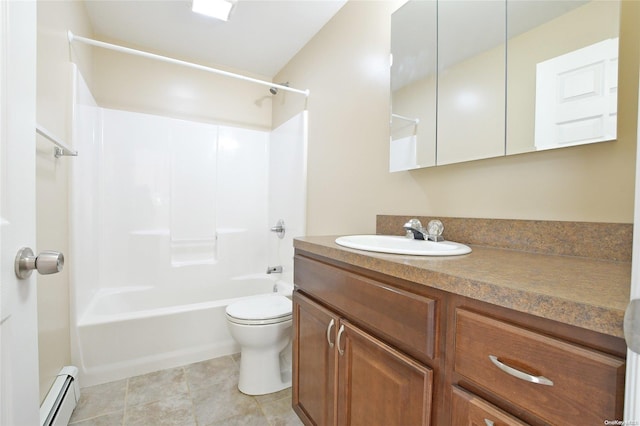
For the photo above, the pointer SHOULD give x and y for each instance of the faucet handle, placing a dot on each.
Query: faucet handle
(435, 228)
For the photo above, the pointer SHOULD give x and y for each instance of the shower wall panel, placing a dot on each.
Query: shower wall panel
(287, 188)
(180, 200)
(157, 201)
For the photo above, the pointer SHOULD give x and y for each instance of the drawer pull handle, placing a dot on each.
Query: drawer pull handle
(341, 351)
(541, 380)
(329, 328)
(489, 422)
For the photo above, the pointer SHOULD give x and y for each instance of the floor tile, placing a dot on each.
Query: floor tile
(220, 402)
(174, 411)
(113, 419)
(285, 393)
(251, 418)
(207, 373)
(203, 394)
(280, 413)
(156, 386)
(100, 400)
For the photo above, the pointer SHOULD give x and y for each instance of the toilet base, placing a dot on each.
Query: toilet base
(261, 372)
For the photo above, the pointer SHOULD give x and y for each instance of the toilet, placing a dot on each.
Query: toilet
(262, 327)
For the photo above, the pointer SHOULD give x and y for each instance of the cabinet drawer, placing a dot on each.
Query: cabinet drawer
(471, 410)
(402, 318)
(575, 385)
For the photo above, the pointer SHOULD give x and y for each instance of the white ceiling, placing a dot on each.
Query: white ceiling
(260, 37)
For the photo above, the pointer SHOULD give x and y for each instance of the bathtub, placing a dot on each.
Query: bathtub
(129, 331)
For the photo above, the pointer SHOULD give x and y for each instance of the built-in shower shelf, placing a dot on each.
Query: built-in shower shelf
(151, 232)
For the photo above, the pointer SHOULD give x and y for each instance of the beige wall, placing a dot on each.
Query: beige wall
(133, 83)
(346, 68)
(53, 105)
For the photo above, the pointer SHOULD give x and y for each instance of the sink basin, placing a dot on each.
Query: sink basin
(401, 245)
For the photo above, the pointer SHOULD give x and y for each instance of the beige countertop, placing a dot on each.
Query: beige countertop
(584, 292)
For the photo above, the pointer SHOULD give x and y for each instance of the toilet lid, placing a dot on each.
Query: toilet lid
(268, 307)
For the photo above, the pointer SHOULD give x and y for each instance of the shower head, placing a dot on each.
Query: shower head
(274, 90)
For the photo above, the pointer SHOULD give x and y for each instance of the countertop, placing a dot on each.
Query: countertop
(584, 292)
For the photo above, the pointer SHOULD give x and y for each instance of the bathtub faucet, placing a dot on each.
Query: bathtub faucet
(274, 269)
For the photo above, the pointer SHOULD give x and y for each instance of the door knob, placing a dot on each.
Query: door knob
(47, 262)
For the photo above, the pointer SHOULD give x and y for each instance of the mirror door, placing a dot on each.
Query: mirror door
(413, 86)
(471, 80)
(562, 63)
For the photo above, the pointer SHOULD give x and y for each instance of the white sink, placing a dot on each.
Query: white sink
(402, 245)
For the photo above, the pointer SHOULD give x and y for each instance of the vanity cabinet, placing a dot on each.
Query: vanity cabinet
(346, 376)
(373, 349)
(347, 362)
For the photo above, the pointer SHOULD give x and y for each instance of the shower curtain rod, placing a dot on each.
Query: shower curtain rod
(72, 37)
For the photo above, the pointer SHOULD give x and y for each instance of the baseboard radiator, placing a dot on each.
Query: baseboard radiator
(62, 398)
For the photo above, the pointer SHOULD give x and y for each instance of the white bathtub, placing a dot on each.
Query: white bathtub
(130, 331)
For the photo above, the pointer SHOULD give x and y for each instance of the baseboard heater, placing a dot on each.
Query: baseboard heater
(62, 398)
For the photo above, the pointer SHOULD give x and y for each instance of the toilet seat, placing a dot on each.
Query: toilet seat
(263, 310)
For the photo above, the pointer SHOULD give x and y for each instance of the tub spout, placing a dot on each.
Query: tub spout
(274, 269)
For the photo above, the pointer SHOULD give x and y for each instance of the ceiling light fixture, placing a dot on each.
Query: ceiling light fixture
(219, 9)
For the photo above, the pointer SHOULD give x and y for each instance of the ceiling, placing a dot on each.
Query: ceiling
(260, 37)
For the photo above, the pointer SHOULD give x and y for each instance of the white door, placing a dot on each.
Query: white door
(19, 394)
(577, 96)
(632, 382)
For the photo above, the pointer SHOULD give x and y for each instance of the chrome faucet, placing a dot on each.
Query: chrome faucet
(415, 230)
(433, 232)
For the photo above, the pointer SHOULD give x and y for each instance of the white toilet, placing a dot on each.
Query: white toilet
(262, 327)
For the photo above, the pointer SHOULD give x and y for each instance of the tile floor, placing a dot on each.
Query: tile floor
(200, 394)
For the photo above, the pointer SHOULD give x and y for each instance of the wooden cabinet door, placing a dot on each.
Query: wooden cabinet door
(470, 410)
(379, 385)
(314, 362)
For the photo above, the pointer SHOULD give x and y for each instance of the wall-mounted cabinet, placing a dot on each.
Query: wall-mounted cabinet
(481, 79)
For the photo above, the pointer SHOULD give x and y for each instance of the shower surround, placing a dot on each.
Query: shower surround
(170, 222)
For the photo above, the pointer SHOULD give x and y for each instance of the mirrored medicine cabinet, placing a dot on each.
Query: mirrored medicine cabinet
(474, 79)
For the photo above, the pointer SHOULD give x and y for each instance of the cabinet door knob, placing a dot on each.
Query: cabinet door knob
(329, 328)
(541, 380)
(340, 351)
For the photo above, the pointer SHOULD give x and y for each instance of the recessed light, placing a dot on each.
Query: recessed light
(219, 9)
